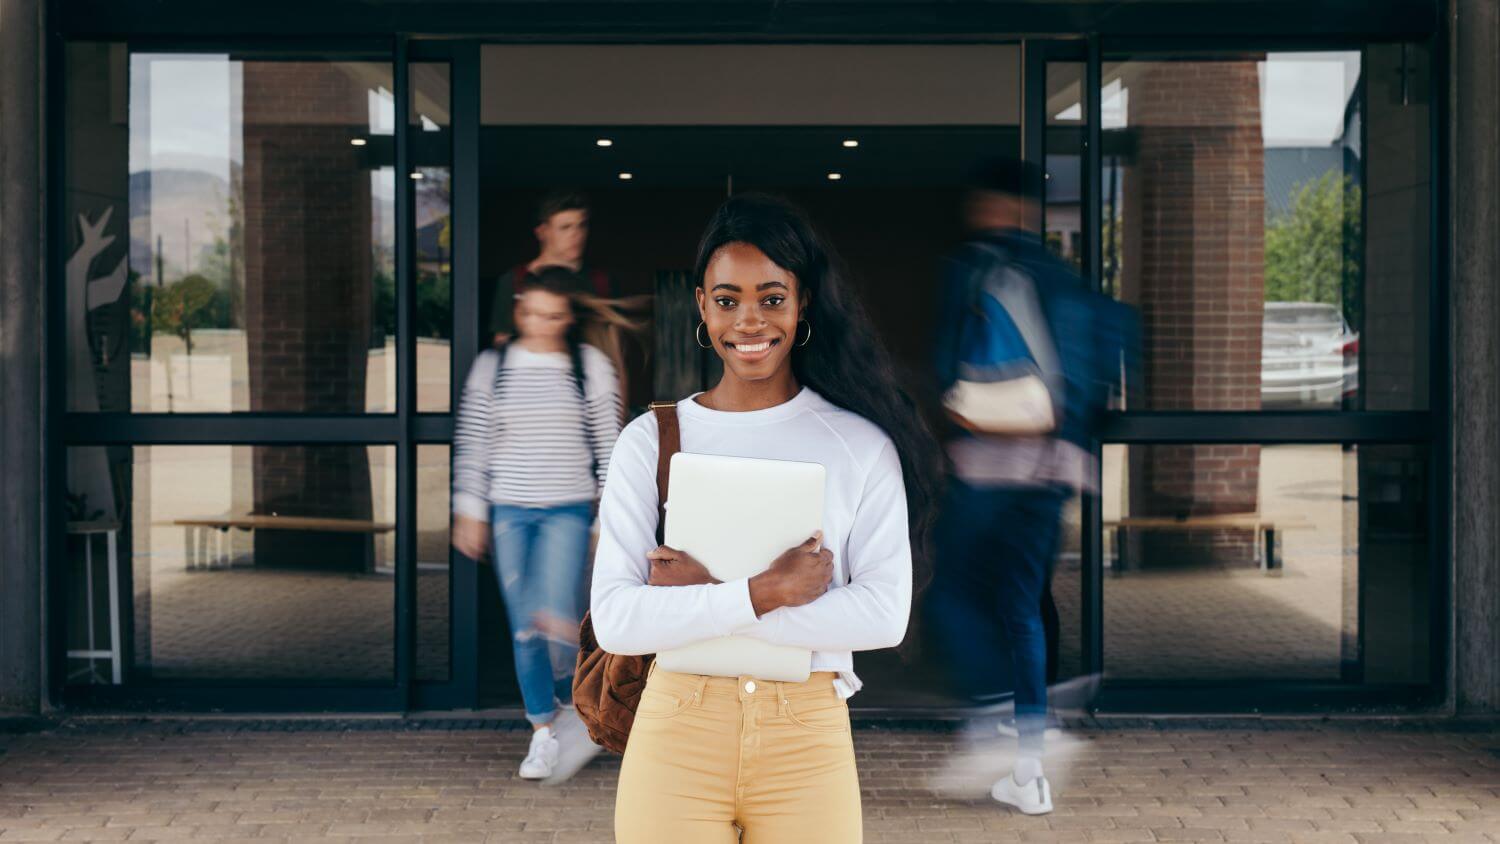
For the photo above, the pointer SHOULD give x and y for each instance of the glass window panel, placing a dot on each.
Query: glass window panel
(1065, 177)
(434, 572)
(230, 226)
(1267, 214)
(1240, 561)
(239, 562)
(432, 157)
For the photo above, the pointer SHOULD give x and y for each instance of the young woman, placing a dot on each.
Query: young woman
(805, 378)
(536, 425)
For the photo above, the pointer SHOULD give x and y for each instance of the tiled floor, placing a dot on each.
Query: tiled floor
(454, 781)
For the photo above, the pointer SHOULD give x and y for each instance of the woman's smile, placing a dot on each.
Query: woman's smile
(751, 350)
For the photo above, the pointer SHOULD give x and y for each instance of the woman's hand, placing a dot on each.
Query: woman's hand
(670, 567)
(799, 576)
(471, 536)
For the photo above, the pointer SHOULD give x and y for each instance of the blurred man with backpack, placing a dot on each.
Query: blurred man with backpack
(1025, 359)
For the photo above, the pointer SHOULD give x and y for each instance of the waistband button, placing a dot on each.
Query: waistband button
(750, 687)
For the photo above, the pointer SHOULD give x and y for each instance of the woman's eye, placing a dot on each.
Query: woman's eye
(724, 302)
(775, 301)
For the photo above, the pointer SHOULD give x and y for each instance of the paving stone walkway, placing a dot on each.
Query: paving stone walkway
(375, 781)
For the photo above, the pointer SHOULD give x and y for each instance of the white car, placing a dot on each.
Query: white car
(1309, 357)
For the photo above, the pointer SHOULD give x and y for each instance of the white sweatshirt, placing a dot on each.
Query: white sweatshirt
(864, 526)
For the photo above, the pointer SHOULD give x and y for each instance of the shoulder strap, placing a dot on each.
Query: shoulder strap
(669, 443)
(500, 351)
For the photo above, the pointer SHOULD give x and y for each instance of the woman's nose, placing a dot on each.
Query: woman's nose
(748, 318)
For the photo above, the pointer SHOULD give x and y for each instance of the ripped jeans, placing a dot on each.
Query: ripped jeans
(540, 554)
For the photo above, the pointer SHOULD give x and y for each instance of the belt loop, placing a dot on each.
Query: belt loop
(701, 691)
(781, 705)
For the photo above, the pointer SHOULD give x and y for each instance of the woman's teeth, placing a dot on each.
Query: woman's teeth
(753, 347)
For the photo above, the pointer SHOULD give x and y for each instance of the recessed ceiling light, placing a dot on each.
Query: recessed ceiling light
(416, 174)
(834, 177)
(358, 142)
(627, 176)
(604, 142)
(851, 143)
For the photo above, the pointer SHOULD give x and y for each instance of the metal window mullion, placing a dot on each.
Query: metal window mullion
(464, 574)
(1092, 509)
(406, 464)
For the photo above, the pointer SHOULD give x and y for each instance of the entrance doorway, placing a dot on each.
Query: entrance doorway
(874, 142)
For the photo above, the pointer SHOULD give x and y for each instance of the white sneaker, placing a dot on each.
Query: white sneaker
(1007, 727)
(541, 758)
(577, 749)
(1033, 798)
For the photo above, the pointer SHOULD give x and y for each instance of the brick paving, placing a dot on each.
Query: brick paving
(382, 780)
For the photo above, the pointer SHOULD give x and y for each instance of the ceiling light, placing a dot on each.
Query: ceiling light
(416, 174)
(604, 142)
(851, 143)
(834, 177)
(358, 142)
(625, 177)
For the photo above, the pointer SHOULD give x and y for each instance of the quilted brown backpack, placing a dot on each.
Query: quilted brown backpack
(607, 687)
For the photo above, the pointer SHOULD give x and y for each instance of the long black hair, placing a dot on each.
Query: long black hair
(844, 361)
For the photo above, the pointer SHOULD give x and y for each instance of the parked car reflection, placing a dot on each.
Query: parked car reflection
(1309, 356)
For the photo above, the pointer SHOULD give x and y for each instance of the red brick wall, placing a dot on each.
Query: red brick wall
(1194, 235)
(308, 282)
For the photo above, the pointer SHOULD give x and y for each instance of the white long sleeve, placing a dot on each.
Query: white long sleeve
(629, 616)
(864, 525)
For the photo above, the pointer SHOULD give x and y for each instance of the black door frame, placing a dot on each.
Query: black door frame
(406, 429)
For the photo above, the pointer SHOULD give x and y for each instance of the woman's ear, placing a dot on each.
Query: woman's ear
(700, 296)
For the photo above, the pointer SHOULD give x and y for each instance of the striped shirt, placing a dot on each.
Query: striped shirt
(526, 438)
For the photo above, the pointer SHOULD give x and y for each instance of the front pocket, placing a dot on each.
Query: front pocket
(819, 714)
(659, 704)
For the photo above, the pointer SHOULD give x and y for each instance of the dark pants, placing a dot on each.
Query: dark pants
(995, 551)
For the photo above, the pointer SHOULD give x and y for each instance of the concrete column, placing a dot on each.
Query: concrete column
(1475, 180)
(21, 279)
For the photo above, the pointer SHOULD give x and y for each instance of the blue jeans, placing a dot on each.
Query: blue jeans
(995, 550)
(540, 554)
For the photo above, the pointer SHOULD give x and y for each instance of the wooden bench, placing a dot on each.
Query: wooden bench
(1267, 529)
(202, 531)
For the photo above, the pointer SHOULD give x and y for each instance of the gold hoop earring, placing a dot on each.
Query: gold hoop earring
(807, 339)
(699, 330)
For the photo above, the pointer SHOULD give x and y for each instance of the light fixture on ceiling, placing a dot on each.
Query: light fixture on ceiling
(851, 143)
(834, 177)
(417, 174)
(604, 142)
(357, 142)
(625, 177)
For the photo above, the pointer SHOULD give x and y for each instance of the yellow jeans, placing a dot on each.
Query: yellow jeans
(708, 755)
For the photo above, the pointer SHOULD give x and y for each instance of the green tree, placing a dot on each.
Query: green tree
(192, 302)
(1313, 248)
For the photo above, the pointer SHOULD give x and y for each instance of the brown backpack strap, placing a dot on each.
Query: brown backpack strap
(669, 443)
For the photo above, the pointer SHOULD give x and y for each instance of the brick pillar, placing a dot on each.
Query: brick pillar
(1195, 221)
(308, 268)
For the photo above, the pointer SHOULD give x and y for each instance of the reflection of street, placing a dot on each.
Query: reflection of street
(215, 378)
(250, 621)
(1164, 622)
(1210, 623)
(254, 620)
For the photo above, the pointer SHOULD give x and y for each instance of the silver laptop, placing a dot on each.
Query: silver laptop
(736, 515)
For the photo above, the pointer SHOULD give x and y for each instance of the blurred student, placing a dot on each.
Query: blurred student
(1024, 359)
(537, 421)
(562, 235)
